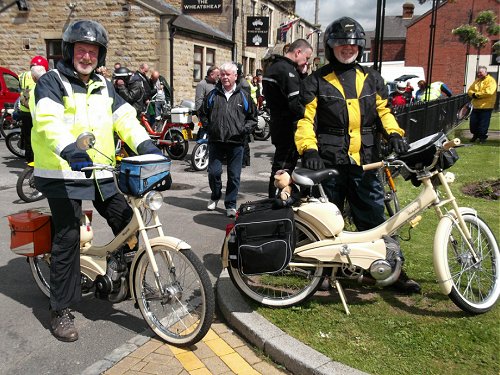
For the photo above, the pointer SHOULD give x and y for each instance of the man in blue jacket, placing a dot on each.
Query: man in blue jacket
(229, 115)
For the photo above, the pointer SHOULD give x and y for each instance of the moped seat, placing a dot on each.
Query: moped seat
(307, 177)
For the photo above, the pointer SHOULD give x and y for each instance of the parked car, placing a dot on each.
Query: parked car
(9, 86)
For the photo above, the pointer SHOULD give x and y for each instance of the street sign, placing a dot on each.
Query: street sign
(192, 6)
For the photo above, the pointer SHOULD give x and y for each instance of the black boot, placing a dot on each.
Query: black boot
(62, 325)
(406, 285)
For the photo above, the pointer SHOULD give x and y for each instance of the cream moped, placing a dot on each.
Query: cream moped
(164, 278)
(465, 254)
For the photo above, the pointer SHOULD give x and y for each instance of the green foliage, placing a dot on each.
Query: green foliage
(486, 17)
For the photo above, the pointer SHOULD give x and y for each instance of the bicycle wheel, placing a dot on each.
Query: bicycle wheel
(475, 283)
(184, 313)
(289, 287)
(14, 144)
(25, 186)
(178, 147)
(263, 132)
(199, 157)
(40, 269)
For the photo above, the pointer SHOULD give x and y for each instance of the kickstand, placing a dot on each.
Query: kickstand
(342, 296)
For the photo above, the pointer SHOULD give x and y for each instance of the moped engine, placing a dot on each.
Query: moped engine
(113, 285)
(386, 271)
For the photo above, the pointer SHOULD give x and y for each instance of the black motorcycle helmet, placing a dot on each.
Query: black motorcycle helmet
(85, 31)
(343, 31)
(122, 73)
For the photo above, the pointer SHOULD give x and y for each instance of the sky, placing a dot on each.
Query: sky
(363, 11)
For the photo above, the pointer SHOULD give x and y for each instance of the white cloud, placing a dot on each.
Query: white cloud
(363, 11)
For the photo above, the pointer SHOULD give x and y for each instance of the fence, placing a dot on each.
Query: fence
(425, 118)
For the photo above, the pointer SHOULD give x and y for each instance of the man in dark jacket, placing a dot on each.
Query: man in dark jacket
(281, 85)
(130, 87)
(344, 101)
(148, 89)
(229, 115)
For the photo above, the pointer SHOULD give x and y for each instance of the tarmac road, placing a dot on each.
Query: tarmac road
(26, 345)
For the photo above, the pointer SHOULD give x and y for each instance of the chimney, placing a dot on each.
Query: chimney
(408, 11)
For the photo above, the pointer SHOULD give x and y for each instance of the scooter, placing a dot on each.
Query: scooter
(164, 278)
(466, 256)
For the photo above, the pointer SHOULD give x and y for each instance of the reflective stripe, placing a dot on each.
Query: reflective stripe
(65, 82)
(70, 175)
(295, 93)
(269, 80)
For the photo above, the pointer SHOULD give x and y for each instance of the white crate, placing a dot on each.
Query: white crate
(181, 115)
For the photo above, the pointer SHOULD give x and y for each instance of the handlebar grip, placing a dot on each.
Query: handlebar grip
(450, 144)
(368, 167)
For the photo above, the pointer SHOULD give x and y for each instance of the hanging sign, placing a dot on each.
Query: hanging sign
(257, 31)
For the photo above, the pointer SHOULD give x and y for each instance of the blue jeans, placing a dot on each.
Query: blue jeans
(363, 192)
(233, 153)
(480, 122)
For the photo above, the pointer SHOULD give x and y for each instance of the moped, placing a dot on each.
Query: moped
(465, 253)
(164, 278)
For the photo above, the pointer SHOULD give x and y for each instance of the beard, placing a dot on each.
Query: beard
(343, 59)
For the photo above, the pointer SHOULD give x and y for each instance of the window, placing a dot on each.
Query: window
(54, 52)
(210, 53)
(198, 63)
(203, 58)
(251, 66)
(11, 82)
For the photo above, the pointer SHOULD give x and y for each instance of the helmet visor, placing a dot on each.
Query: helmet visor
(346, 41)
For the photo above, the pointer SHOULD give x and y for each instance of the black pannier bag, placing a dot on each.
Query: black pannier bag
(263, 238)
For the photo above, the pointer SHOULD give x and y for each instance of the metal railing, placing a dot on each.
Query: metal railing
(421, 119)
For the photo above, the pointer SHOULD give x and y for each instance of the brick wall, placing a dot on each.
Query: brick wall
(449, 63)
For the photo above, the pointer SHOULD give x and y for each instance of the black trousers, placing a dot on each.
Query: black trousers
(285, 157)
(27, 125)
(65, 280)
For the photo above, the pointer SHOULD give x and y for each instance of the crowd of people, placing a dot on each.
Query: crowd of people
(332, 118)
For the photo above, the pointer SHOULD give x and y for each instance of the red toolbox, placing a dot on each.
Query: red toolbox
(30, 233)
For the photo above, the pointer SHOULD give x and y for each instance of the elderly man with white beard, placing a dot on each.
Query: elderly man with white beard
(344, 102)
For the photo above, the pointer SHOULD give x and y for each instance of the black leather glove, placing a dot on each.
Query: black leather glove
(398, 144)
(148, 147)
(76, 158)
(312, 160)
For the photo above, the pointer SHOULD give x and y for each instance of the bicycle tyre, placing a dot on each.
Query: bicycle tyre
(289, 287)
(475, 287)
(25, 186)
(264, 133)
(189, 292)
(13, 142)
(199, 157)
(178, 147)
(40, 269)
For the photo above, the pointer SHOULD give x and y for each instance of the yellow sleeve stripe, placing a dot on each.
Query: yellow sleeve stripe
(305, 137)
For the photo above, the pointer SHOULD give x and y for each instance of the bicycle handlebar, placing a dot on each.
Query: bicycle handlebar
(377, 165)
(450, 144)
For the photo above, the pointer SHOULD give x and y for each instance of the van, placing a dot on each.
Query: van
(9, 86)
(396, 71)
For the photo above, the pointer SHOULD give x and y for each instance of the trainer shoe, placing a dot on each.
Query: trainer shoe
(211, 205)
(62, 325)
(231, 212)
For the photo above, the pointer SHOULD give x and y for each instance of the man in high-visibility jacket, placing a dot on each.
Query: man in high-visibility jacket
(70, 100)
(27, 83)
(436, 90)
(483, 92)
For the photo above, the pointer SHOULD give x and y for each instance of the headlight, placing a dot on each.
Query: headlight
(153, 200)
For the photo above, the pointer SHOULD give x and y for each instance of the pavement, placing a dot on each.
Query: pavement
(240, 341)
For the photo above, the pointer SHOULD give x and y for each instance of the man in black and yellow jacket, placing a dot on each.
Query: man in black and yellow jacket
(344, 102)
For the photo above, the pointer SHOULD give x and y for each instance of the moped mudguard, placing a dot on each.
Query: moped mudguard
(441, 268)
(167, 241)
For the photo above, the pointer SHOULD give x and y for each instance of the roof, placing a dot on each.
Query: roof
(184, 22)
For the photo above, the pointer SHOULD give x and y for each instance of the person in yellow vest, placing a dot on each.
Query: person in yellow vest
(436, 90)
(27, 83)
(70, 100)
(483, 92)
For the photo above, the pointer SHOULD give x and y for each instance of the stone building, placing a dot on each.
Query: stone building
(180, 38)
